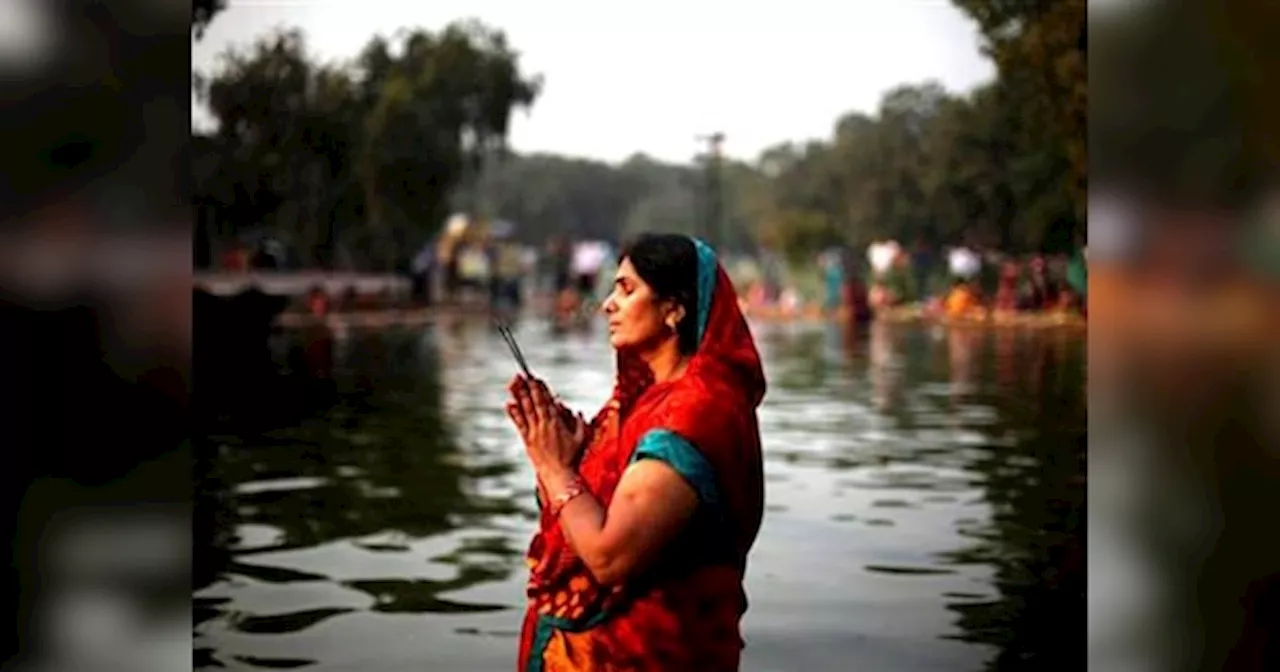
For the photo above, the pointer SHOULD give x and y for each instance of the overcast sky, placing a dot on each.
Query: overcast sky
(650, 76)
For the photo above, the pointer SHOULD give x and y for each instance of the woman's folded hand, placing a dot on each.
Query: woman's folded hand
(552, 433)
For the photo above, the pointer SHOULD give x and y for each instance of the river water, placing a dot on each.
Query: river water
(925, 494)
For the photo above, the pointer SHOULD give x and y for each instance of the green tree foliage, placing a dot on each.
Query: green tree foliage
(373, 155)
(547, 195)
(1039, 50)
(1002, 166)
(930, 167)
(202, 13)
(366, 154)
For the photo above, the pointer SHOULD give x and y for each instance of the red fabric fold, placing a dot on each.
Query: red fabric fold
(686, 615)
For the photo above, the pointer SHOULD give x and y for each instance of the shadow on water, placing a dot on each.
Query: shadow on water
(1035, 486)
(365, 468)
(926, 501)
(985, 420)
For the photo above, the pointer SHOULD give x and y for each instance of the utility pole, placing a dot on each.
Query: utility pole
(713, 224)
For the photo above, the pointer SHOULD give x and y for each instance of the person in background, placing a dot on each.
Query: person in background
(588, 257)
(422, 271)
(963, 299)
(648, 513)
(833, 277)
(855, 291)
(895, 283)
(557, 260)
(491, 248)
(902, 279)
(236, 257)
(474, 268)
(1039, 292)
(1078, 279)
(1007, 290)
(923, 260)
(772, 270)
(452, 277)
(508, 269)
(557, 264)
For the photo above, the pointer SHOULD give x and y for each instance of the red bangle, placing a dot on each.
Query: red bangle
(572, 490)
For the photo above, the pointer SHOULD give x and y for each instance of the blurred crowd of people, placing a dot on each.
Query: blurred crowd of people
(474, 262)
(959, 283)
(968, 283)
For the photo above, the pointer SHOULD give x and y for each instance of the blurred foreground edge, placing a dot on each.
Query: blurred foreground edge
(1184, 361)
(94, 357)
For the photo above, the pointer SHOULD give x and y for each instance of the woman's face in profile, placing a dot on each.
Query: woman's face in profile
(636, 316)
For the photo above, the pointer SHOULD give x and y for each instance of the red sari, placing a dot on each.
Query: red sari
(683, 612)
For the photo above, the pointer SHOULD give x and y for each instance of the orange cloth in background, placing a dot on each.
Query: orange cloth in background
(961, 300)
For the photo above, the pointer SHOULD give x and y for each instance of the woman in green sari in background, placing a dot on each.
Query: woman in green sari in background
(1078, 277)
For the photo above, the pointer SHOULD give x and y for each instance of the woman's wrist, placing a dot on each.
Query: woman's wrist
(572, 491)
(555, 478)
(560, 486)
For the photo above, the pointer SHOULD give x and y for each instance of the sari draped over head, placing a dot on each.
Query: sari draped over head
(681, 612)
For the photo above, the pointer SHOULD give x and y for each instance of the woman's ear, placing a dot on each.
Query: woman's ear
(675, 315)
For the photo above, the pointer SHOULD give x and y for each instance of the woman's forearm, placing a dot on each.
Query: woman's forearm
(582, 518)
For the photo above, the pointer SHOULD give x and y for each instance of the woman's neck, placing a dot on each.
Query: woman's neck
(666, 361)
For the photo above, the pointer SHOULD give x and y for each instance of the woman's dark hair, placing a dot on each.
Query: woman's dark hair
(668, 263)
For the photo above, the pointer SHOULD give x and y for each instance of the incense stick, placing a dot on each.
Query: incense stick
(505, 330)
(515, 348)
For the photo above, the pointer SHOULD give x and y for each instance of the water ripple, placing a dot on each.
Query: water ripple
(916, 482)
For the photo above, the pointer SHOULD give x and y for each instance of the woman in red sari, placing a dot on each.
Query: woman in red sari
(648, 511)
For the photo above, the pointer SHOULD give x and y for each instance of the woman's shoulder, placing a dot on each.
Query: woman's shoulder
(693, 404)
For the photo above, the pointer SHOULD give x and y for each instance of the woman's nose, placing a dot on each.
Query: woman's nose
(607, 306)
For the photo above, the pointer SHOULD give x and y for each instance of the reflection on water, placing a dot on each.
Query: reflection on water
(925, 503)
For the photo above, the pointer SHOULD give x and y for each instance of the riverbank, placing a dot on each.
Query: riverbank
(377, 318)
(363, 301)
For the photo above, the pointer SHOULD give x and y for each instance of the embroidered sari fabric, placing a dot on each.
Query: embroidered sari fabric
(683, 611)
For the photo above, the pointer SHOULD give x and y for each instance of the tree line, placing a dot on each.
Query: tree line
(371, 156)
